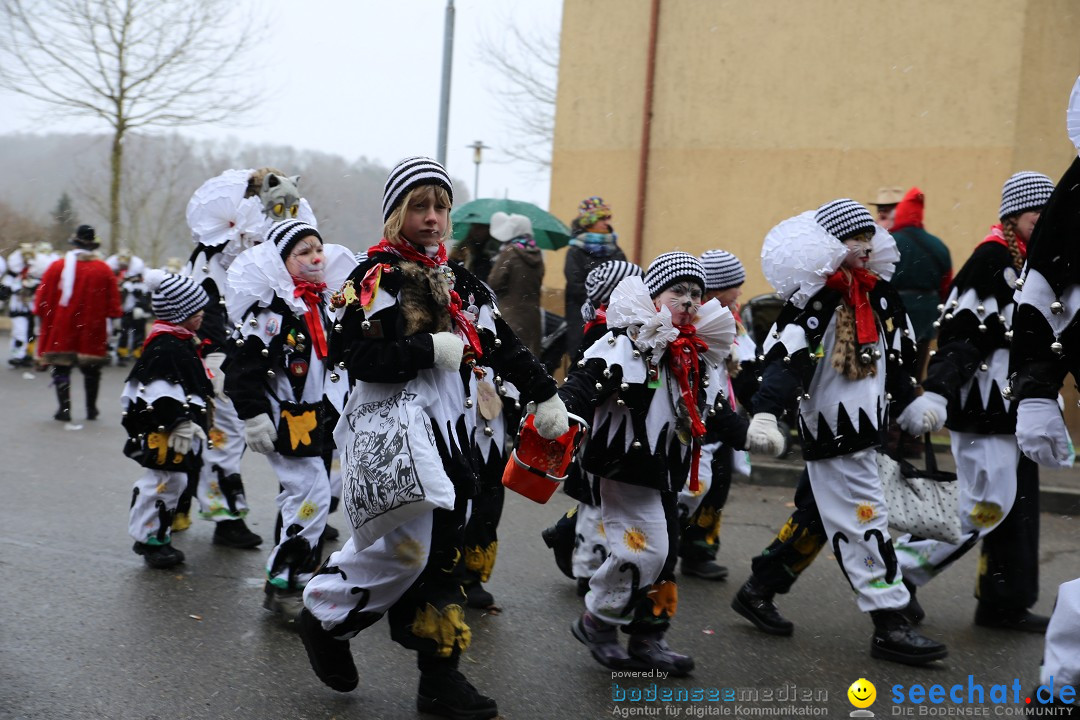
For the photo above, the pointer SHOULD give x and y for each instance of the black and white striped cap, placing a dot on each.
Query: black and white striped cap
(722, 270)
(603, 278)
(409, 173)
(285, 234)
(176, 298)
(844, 218)
(670, 268)
(1024, 191)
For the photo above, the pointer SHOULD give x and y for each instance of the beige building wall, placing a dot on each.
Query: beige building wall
(765, 108)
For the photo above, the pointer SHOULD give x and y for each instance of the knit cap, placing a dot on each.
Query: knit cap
(410, 173)
(845, 218)
(603, 278)
(1024, 191)
(670, 268)
(285, 234)
(174, 298)
(722, 270)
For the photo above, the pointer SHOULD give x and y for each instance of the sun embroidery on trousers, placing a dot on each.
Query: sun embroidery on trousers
(985, 514)
(307, 510)
(217, 436)
(635, 539)
(864, 513)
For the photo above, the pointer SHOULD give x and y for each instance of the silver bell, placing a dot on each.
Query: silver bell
(1056, 347)
(488, 431)
(468, 402)
(982, 327)
(498, 342)
(984, 367)
(337, 327)
(1057, 308)
(334, 377)
(864, 358)
(366, 325)
(270, 374)
(265, 352)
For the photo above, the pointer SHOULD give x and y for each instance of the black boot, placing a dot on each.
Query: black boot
(704, 569)
(62, 381)
(652, 651)
(478, 597)
(159, 557)
(91, 382)
(896, 641)
(1005, 618)
(330, 658)
(235, 534)
(444, 691)
(560, 538)
(914, 611)
(754, 602)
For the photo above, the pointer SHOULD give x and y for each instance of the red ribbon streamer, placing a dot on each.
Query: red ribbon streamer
(310, 293)
(856, 285)
(683, 361)
(406, 251)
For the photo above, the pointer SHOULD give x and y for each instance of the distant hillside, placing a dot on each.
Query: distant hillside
(162, 171)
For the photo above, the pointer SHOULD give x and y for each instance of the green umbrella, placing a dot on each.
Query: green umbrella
(548, 230)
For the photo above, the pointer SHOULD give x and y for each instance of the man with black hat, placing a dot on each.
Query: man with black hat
(77, 295)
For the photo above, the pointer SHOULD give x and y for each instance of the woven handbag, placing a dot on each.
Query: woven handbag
(921, 502)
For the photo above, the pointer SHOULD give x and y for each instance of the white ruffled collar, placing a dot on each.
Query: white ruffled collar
(258, 275)
(652, 331)
(799, 255)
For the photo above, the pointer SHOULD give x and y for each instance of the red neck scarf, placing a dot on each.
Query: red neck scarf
(683, 360)
(600, 319)
(311, 294)
(856, 285)
(406, 251)
(997, 235)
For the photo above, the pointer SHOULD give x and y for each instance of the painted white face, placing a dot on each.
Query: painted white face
(306, 261)
(858, 251)
(683, 300)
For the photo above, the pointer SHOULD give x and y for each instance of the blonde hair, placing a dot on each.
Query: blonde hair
(392, 226)
(1008, 229)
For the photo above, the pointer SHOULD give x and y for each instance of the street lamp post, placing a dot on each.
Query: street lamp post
(478, 148)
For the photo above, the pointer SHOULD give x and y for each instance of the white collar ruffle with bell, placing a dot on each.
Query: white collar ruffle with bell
(258, 275)
(799, 255)
(649, 331)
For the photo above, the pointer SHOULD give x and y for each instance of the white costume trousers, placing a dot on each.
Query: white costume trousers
(20, 337)
(636, 531)
(848, 493)
(386, 569)
(986, 472)
(590, 545)
(222, 459)
(304, 501)
(155, 495)
(1061, 658)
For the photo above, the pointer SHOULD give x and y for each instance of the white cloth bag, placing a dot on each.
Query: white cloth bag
(922, 506)
(390, 466)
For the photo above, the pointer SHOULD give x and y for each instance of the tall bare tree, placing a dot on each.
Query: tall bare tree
(129, 63)
(528, 67)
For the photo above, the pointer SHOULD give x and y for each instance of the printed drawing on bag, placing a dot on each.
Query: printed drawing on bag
(379, 470)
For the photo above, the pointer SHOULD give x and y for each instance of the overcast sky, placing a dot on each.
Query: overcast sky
(362, 77)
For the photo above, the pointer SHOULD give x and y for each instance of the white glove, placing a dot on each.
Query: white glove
(551, 421)
(926, 413)
(180, 438)
(260, 433)
(139, 314)
(763, 437)
(1041, 432)
(448, 350)
(213, 363)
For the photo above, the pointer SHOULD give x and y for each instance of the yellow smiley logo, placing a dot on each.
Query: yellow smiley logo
(862, 693)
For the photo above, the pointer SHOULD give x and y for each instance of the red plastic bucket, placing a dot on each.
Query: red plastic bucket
(537, 465)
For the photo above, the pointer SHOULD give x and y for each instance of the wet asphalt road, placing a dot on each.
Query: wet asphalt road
(90, 632)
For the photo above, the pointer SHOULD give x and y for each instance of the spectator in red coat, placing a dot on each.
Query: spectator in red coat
(76, 297)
